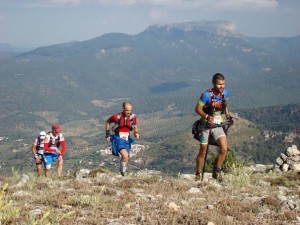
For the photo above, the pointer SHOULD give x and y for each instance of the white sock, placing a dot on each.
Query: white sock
(123, 166)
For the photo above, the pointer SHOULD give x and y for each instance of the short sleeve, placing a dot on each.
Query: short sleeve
(113, 118)
(226, 95)
(204, 99)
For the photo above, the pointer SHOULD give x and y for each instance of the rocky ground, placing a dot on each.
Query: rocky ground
(146, 197)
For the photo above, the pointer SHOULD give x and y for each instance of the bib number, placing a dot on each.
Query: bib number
(124, 135)
(217, 120)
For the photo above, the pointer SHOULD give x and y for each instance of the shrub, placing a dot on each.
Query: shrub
(7, 210)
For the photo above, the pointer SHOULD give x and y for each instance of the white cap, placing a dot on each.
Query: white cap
(42, 134)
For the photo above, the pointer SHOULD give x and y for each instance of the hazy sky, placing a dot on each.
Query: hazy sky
(32, 23)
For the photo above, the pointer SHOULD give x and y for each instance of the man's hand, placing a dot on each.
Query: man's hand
(210, 119)
(37, 159)
(107, 138)
(229, 118)
(137, 135)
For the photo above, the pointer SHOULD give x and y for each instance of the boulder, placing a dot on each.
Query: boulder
(279, 161)
(285, 167)
(292, 151)
(295, 167)
(283, 156)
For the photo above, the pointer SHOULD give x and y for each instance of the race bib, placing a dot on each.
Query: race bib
(124, 135)
(217, 120)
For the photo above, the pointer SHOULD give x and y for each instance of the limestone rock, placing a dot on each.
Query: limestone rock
(295, 167)
(292, 151)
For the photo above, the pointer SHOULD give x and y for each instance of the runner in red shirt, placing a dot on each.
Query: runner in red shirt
(124, 122)
(53, 153)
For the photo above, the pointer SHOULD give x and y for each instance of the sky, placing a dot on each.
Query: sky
(35, 23)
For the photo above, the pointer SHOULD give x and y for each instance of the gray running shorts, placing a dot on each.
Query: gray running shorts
(215, 132)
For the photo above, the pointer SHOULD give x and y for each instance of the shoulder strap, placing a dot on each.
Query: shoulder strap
(120, 120)
(224, 105)
(211, 94)
(118, 117)
(211, 106)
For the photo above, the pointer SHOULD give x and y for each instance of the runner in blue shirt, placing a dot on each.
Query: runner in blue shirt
(212, 106)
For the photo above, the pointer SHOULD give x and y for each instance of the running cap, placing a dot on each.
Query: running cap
(56, 128)
(42, 134)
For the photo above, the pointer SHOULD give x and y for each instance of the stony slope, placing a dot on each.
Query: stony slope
(101, 197)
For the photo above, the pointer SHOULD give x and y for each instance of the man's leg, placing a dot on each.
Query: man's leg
(60, 166)
(39, 166)
(200, 159)
(39, 169)
(123, 161)
(47, 163)
(222, 143)
(47, 172)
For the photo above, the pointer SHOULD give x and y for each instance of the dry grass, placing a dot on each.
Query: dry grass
(149, 199)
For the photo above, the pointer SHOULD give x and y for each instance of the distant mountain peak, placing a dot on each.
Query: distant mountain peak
(220, 28)
(5, 47)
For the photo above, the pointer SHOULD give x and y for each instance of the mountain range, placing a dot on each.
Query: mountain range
(166, 66)
(162, 59)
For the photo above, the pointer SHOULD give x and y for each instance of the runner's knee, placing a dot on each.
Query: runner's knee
(202, 153)
(223, 150)
(124, 154)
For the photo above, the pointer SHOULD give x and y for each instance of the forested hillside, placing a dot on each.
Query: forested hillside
(281, 118)
(280, 127)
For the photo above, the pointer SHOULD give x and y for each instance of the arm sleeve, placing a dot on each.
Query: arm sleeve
(63, 147)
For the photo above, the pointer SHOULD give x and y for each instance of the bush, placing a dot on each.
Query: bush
(7, 210)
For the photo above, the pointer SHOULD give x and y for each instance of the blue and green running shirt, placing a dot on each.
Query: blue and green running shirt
(205, 101)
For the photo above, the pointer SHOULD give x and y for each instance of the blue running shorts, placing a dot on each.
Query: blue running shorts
(49, 158)
(119, 143)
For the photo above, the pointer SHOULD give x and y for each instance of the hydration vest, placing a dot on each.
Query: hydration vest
(54, 141)
(214, 104)
(123, 121)
(40, 144)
